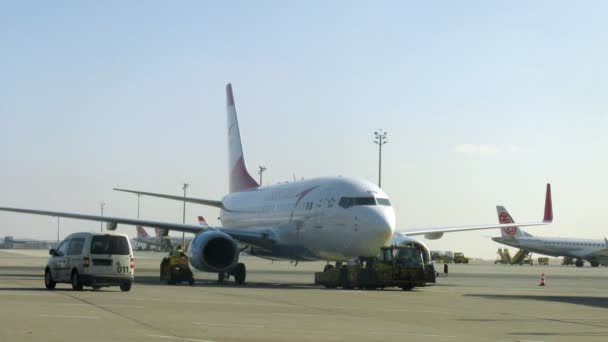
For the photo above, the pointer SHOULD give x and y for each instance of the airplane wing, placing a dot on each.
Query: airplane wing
(212, 203)
(257, 236)
(437, 232)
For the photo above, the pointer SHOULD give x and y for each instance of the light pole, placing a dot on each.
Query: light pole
(380, 139)
(138, 198)
(260, 172)
(57, 229)
(184, 216)
(101, 205)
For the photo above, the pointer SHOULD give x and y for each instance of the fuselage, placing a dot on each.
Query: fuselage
(576, 248)
(333, 218)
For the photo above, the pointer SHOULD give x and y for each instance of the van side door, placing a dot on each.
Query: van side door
(58, 262)
(73, 257)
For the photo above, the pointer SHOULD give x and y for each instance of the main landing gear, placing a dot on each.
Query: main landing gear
(239, 272)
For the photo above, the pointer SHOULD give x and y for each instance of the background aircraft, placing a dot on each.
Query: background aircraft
(161, 240)
(329, 218)
(594, 251)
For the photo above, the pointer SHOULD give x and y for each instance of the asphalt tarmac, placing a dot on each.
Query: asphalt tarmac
(476, 302)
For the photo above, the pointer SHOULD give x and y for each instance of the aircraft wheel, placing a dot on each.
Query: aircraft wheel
(220, 277)
(239, 273)
(594, 263)
(407, 288)
(579, 263)
(48, 280)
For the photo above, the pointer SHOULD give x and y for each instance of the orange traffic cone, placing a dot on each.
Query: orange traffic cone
(542, 280)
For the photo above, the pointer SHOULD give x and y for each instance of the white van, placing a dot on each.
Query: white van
(91, 259)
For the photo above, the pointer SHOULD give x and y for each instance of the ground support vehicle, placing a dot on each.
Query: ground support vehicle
(396, 266)
(91, 259)
(459, 258)
(504, 257)
(175, 269)
(567, 261)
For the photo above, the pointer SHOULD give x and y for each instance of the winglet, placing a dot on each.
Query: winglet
(548, 206)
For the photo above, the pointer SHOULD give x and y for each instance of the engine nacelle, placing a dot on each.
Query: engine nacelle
(111, 226)
(433, 236)
(213, 251)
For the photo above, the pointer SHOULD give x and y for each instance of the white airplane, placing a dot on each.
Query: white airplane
(594, 251)
(330, 218)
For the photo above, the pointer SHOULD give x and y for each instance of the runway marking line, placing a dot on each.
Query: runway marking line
(104, 305)
(229, 325)
(179, 338)
(325, 316)
(68, 316)
(413, 335)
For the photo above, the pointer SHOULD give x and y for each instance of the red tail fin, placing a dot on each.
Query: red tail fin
(548, 205)
(202, 222)
(240, 179)
(141, 232)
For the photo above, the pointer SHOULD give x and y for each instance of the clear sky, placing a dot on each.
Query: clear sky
(484, 102)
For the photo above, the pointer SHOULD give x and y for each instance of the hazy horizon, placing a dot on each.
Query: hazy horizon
(483, 102)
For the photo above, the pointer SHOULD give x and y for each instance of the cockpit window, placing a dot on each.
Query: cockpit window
(383, 201)
(347, 202)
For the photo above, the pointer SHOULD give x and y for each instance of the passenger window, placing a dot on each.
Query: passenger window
(75, 247)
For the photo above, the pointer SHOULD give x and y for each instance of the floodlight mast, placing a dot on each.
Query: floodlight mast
(101, 205)
(184, 214)
(262, 168)
(380, 139)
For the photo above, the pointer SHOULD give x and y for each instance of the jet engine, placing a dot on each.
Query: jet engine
(433, 236)
(111, 226)
(213, 251)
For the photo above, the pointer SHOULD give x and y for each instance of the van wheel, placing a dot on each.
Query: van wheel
(125, 287)
(48, 280)
(76, 282)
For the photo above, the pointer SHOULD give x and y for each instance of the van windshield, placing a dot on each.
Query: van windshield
(108, 244)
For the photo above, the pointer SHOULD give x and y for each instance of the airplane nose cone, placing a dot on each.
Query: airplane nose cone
(379, 227)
